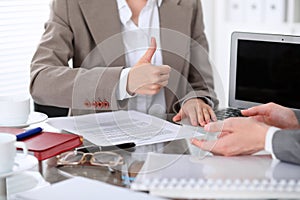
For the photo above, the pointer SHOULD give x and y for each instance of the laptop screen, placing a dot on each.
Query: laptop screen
(267, 71)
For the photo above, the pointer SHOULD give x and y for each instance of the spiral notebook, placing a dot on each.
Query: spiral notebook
(189, 177)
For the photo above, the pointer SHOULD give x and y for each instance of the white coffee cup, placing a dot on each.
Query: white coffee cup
(8, 146)
(14, 109)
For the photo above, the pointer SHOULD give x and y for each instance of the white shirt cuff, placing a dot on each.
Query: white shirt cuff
(121, 91)
(268, 141)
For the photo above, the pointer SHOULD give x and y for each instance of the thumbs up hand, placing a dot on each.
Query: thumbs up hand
(145, 78)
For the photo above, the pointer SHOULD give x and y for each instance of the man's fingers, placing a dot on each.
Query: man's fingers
(256, 110)
(222, 134)
(259, 118)
(214, 127)
(149, 53)
(205, 145)
(216, 147)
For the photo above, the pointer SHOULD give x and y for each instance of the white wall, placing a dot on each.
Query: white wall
(209, 21)
(211, 26)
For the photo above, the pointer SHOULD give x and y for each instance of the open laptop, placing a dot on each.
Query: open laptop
(263, 68)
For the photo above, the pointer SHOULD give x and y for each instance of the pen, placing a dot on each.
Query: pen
(95, 148)
(28, 133)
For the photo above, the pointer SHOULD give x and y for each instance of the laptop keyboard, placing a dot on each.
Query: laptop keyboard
(228, 112)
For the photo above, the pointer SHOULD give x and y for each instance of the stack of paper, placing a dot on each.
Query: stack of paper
(25, 181)
(112, 128)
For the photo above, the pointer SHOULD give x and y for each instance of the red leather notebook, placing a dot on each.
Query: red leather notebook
(47, 144)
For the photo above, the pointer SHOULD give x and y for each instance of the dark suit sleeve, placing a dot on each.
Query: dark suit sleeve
(297, 113)
(286, 145)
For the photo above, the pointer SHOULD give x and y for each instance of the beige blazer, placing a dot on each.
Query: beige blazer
(88, 33)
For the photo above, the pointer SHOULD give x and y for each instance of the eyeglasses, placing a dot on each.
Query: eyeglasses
(103, 158)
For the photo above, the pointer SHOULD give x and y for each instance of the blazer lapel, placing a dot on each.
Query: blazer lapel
(175, 22)
(103, 21)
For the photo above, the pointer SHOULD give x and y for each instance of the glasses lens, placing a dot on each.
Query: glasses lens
(107, 159)
(70, 158)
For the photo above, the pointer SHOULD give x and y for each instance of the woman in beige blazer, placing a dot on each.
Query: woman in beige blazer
(88, 33)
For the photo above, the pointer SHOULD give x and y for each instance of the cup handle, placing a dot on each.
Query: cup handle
(23, 146)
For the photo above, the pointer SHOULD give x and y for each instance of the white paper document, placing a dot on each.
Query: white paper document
(112, 128)
(25, 181)
(214, 177)
(79, 188)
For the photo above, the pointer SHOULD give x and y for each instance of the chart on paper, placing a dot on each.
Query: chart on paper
(119, 127)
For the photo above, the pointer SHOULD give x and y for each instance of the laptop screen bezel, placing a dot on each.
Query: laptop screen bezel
(235, 37)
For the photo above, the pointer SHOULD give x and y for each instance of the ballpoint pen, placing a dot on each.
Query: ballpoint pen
(94, 148)
(28, 133)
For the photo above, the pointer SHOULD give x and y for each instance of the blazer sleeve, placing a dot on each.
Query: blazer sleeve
(201, 73)
(286, 145)
(54, 82)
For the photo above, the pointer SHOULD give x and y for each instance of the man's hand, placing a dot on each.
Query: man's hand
(239, 136)
(145, 78)
(273, 115)
(197, 111)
